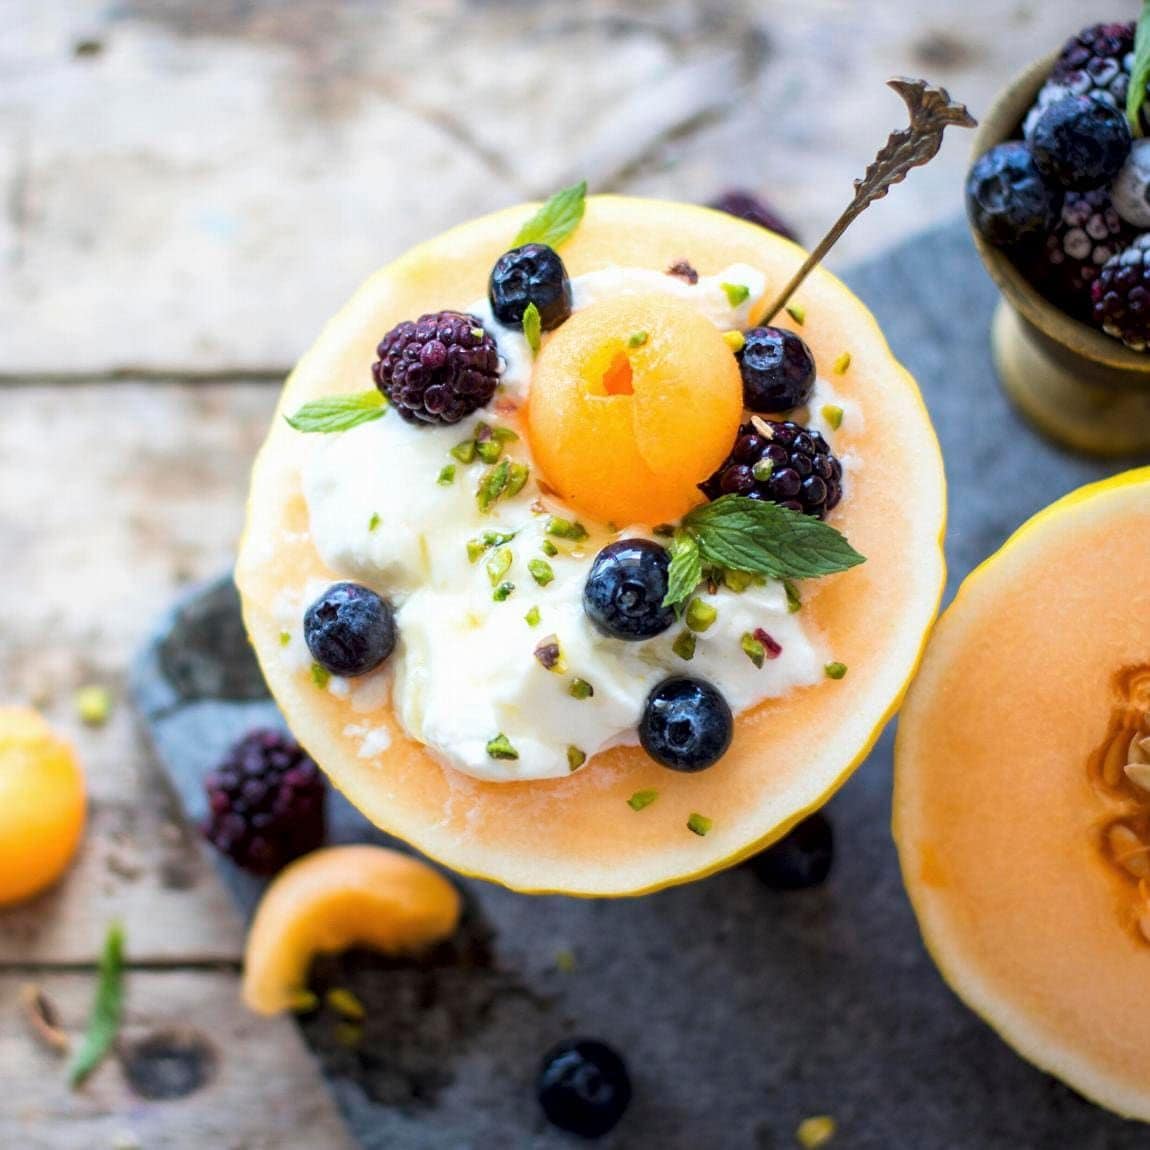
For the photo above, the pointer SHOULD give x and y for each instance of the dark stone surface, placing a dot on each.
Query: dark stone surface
(741, 1011)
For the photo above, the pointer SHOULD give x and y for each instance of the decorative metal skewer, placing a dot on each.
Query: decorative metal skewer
(931, 112)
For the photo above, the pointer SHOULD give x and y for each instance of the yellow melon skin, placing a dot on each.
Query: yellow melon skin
(578, 835)
(1001, 810)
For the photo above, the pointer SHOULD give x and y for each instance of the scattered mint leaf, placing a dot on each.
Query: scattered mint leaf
(556, 219)
(1140, 72)
(532, 328)
(500, 748)
(735, 293)
(686, 570)
(765, 539)
(107, 1007)
(641, 799)
(339, 412)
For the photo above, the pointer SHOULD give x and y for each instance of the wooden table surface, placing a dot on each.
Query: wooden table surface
(189, 188)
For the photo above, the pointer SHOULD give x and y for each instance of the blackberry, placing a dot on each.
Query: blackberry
(1088, 232)
(747, 206)
(782, 463)
(583, 1087)
(532, 274)
(266, 803)
(438, 368)
(778, 370)
(1121, 295)
(1080, 143)
(1007, 198)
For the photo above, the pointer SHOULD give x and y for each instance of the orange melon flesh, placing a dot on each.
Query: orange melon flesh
(1000, 811)
(578, 835)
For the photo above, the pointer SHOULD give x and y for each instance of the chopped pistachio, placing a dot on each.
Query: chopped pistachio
(762, 469)
(499, 564)
(446, 475)
(374, 521)
(794, 599)
(637, 339)
(684, 645)
(532, 617)
(550, 655)
(699, 615)
(548, 548)
(641, 799)
(580, 689)
(475, 548)
(842, 364)
(575, 758)
(498, 538)
(797, 312)
(833, 415)
(504, 435)
(345, 1003)
(517, 476)
(735, 340)
(735, 293)
(303, 1002)
(477, 333)
(320, 675)
(753, 649)
(489, 450)
(541, 571)
(500, 748)
(816, 1132)
(94, 705)
(663, 530)
(737, 581)
(503, 592)
(566, 528)
(836, 670)
(565, 961)
(285, 638)
(465, 451)
(699, 824)
(493, 485)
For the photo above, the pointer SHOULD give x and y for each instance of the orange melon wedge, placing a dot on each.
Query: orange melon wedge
(579, 835)
(1023, 837)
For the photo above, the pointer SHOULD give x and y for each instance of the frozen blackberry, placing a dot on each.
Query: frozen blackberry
(778, 370)
(1080, 143)
(532, 274)
(780, 462)
(1007, 198)
(265, 803)
(1121, 295)
(747, 206)
(438, 368)
(1088, 232)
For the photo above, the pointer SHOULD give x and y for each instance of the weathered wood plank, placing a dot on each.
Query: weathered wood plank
(260, 1089)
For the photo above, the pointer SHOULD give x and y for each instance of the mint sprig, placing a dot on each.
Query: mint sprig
(1140, 72)
(758, 538)
(104, 1022)
(339, 412)
(532, 328)
(556, 220)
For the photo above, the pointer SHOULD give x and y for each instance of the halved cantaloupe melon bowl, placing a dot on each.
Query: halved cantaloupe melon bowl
(1022, 792)
(578, 834)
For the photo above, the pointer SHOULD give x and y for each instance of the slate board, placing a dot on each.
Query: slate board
(739, 1010)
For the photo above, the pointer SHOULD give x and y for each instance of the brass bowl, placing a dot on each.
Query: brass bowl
(1076, 383)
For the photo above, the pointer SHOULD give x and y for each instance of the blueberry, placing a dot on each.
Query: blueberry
(1080, 143)
(534, 274)
(778, 370)
(625, 589)
(1007, 198)
(800, 859)
(686, 725)
(349, 629)
(583, 1087)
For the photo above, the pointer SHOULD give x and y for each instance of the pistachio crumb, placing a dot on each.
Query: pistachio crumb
(374, 521)
(503, 592)
(797, 312)
(285, 638)
(504, 435)
(815, 1132)
(580, 689)
(489, 450)
(541, 571)
(833, 415)
(684, 645)
(842, 364)
(753, 649)
(794, 599)
(565, 961)
(465, 451)
(475, 549)
(735, 293)
(492, 485)
(762, 469)
(737, 581)
(302, 1001)
(575, 758)
(446, 475)
(699, 824)
(94, 705)
(345, 1003)
(499, 564)
(641, 799)
(320, 675)
(836, 670)
(566, 528)
(532, 617)
(548, 548)
(500, 748)
(549, 654)
(517, 476)
(735, 340)
(699, 615)
(637, 339)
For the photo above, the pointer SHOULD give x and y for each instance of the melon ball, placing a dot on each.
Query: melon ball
(634, 402)
(42, 804)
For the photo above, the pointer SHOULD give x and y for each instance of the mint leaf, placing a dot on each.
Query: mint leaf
(556, 220)
(766, 539)
(339, 412)
(104, 1021)
(686, 570)
(532, 328)
(1140, 73)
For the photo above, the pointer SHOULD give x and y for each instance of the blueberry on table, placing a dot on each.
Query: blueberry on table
(778, 370)
(349, 629)
(1008, 199)
(583, 1087)
(1081, 142)
(802, 858)
(532, 274)
(686, 724)
(625, 588)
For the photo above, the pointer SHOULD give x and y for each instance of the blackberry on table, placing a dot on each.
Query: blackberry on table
(266, 803)
(747, 206)
(438, 368)
(1121, 295)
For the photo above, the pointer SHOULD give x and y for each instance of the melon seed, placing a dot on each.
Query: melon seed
(1128, 850)
(1139, 774)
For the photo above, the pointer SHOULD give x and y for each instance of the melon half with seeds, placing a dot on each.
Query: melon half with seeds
(580, 834)
(1022, 792)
